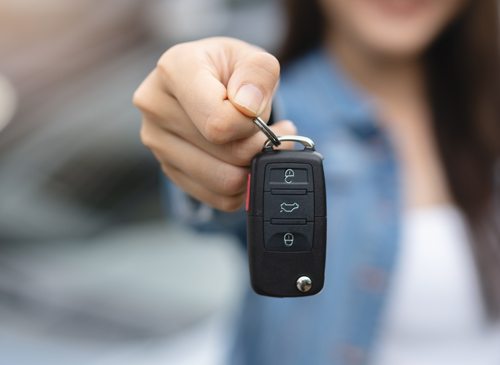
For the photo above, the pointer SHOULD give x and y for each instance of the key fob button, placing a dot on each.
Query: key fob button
(288, 238)
(289, 176)
(288, 206)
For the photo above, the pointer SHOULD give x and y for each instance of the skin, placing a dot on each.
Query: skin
(202, 133)
(380, 45)
(204, 140)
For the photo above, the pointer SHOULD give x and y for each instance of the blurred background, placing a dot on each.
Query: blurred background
(91, 269)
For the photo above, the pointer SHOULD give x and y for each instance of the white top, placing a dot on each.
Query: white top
(435, 313)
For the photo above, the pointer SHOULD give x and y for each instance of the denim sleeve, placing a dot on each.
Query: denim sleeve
(185, 210)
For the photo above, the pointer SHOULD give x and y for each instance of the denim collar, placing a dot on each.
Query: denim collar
(346, 102)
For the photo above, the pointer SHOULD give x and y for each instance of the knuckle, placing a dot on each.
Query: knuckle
(139, 99)
(232, 182)
(242, 153)
(147, 138)
(167, 172)
(144, 99)
(168, 63)
(178, 60)
(165, 61)
(267, 62)
(174, 175)
(218, 128)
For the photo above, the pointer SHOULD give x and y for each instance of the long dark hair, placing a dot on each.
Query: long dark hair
(463, 78)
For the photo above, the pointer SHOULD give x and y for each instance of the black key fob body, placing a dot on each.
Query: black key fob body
(286, 227)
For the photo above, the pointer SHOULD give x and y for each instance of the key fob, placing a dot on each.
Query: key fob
(286, 224)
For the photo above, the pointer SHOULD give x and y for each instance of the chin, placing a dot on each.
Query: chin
(398, 43)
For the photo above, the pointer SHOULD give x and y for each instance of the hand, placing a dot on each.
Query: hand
(197, 108)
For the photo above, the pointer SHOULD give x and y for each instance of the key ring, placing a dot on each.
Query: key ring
(267, 131)
(307, 142)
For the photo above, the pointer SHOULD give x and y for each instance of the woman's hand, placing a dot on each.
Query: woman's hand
(197, 107)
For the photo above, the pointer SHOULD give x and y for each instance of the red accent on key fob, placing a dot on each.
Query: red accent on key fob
(248, 190)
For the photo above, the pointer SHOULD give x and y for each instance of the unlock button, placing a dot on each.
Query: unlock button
(288, 176)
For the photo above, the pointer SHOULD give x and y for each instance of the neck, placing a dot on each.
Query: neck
(398, 87)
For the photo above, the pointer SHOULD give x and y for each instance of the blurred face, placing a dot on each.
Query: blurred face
(390, 27)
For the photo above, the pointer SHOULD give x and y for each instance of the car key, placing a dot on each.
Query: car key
(286, 224)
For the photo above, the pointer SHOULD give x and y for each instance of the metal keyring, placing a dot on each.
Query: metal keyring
(267, 131)
(307, 142)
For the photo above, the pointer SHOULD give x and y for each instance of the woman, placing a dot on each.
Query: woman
(402, 100)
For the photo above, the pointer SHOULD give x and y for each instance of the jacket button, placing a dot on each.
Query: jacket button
(352, 355)
(372, 278)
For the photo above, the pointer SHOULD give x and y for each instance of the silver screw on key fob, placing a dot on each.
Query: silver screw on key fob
(286, 226)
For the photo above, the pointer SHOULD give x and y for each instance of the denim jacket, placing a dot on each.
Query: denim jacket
(339, 325)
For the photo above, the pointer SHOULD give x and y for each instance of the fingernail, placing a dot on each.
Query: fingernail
(249, 97)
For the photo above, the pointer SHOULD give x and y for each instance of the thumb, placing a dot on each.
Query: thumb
(252, 83)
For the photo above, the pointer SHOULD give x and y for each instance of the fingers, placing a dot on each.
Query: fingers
(197, 108)
(201, 193)
(201, 174)
(165, 112)
(197, 73)
(216, 175)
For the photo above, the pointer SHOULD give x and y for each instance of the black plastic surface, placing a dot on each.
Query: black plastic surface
(286, 241)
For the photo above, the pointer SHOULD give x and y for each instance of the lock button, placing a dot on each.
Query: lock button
(288, 238)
